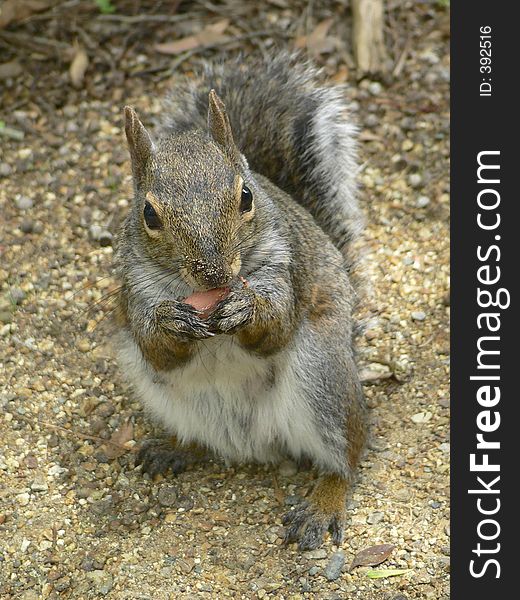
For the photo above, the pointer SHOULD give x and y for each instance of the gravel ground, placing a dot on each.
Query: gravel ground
(76, 519)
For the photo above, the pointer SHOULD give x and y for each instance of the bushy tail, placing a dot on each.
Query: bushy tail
(292, 130)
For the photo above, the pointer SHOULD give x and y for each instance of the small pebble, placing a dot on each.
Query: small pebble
(83, 345)
(70, 110)
(23, 202)
(372, 121)
(408, 124)
(318, 554)
(23, 498)
(430, 57)
(335, 565)
(39, 486)
(415, 180)
(418, 315)
(423, 201)
(167, 496)
(375, 517)
(5, 169)
(403, 495)
(375, 88)
(27, 226)
(422, 417)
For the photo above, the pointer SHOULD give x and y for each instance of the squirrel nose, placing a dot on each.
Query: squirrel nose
(210, 273)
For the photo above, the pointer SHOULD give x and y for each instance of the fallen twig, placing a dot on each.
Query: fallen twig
(34, 42)
(131, 19)
(399, 65)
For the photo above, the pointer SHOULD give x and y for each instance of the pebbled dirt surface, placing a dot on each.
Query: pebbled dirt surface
(76, 519)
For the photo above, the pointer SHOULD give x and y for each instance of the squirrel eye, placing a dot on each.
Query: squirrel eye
(246, 202)
(150, 217)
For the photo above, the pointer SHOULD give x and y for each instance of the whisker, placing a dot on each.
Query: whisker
(150, 283)
(114, 292)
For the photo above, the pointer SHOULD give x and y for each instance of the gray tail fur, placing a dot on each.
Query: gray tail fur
(292, 130)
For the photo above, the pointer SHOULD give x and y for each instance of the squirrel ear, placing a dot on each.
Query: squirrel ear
(219, 125)
(139, 143)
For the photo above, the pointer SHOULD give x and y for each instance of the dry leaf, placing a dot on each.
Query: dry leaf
(12, 11)
(211, 34)
(119, 439)
(78, 67)
(369, 557)
(317, 42)
(341, 75)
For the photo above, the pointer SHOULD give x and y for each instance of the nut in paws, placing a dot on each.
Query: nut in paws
(182, 320)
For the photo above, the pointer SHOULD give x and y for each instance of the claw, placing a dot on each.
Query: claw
(232, 313)
(337, 530)
(182, 320)
(308, 526)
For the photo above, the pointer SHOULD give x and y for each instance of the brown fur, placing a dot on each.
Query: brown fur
(321, 303)
(266, 333)
(329, 495)
(165, 354)
(356, 434)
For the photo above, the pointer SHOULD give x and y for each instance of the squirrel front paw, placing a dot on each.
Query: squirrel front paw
(234, 312)
(182, 320)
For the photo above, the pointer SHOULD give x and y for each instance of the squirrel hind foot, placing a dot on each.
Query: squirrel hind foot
(325, 511)
(158, 456)
(308, 527)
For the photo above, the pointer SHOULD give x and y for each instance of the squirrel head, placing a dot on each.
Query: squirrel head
(194, 203)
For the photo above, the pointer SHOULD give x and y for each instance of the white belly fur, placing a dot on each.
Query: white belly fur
(224, 400)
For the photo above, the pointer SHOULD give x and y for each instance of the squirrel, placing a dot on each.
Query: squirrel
(236, 266)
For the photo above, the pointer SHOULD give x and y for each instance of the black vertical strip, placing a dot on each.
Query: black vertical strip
(483, 124)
